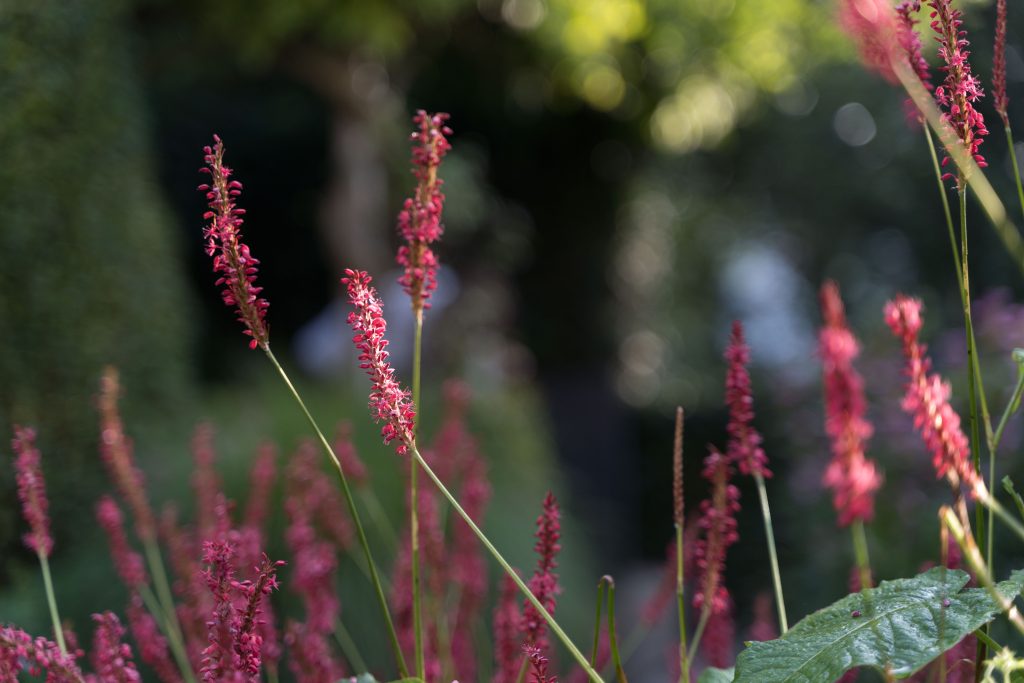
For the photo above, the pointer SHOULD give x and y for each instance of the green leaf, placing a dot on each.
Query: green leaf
(899, 626)
(713, 675)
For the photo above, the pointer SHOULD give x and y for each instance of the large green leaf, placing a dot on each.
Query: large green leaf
(899, 626)
(713, 675)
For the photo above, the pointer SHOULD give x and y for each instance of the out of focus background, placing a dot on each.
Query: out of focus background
(627, 177)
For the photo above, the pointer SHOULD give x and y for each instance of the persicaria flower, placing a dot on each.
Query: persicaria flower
(544, 584)
(872, 24)
(111, 657)
(718, 532)
(127, 562)
(927, 398)
(419, 221)
(538, 665)
(999, 99)
(960, 89)
(389, 403)
(231, 257)
(852, 477)
(910, 42)
(507, 619)
(744, 441)
(20, 652)
(32, 490)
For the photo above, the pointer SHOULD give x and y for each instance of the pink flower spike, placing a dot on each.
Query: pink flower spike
(32, 490)
(507, 619)
(20, 652)
(999, 100)
(718, 532)
(419, 221)
(960, 89)
(127, 562)
(111, 656)
(927, 399)
(852, 477)
(544, 584)
(538, 665)
(389, 403)
(744, 448)
(232, 261)
(872, 25)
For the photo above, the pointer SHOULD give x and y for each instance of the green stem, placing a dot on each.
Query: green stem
(992, 504)
(1016, 169)
(860, 551)
(597, 622)
(613, 642)
(174, 639)
(698, 633)
(555, 628)
(1011, 407)
(414, 524)
(684, 662)
(945, 205)
(163, 586)
(350, 502)
(766, 514)
(987, 639)
(51, 600)
(348, 646)
(380, 518)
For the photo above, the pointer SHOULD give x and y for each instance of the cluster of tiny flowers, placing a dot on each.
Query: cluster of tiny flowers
(32, 490)
(871, 23)
(910, 42)
(544, 584)
(852, 477)
(718, 527)
(960, 89)
(111, 657)
(419, 221)
(231, 257)
(999, 99)
(744, 441)
(927, 398)
(21, 653)
(389, 403)
(538, 665)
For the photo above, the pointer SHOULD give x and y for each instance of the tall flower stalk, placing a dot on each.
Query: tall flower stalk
(852, 477)
(236, 268)
(389, 405)
(680, 556)
(35, 509)
(419, 225)
(745, 447)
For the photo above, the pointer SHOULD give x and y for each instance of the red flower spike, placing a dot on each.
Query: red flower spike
(127, 562)
(960, 89)
(32, 490)
(111, 657)
(419, 221)
(872, 24)
(927, 399)
(744, 448)
(20, 652)
(507, 619)
(852, 477)
(999, 99)
(538, 665)
(232, 261)
(718, 532)
(389, 403)
(544, 584)
(152, 645)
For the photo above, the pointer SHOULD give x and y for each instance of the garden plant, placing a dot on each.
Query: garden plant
(201, 594)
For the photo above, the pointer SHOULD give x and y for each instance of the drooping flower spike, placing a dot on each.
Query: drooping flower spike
(419, 221)
(927, 399)
(389, 403)
(960, 89)
(231, 257)
(852, 477)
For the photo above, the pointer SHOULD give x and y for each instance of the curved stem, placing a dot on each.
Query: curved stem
(766, 514)
(174, 639)
(350, 502)
(860, 550)
(51, 601)
(1016, 169)
(613, 641)
(698, 633)
(555, 628)
(163, 586)
(414, 522)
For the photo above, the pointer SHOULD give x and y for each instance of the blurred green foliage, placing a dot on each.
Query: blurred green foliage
(90, 274)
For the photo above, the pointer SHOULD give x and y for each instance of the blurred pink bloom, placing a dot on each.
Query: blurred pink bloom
(718, 532)
(231, 257)
(852, 477)
(32, 490)
(872, 25)
(389, 403)
(111, 657)
(507, 619)
(999, 100)
(419, 221)
(21, 653)
(152, 645)
(127, 562)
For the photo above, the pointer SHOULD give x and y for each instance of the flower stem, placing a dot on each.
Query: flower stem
(414, 523)
(360, 532)
(163, 586)
(555, 628)
(684, 661)
(174, 639)
(860, 551)
(597, 622)
(698, 633)
(773, 556)
(348, 646)
(1016, 169)
(613, 642)
(51, 600)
